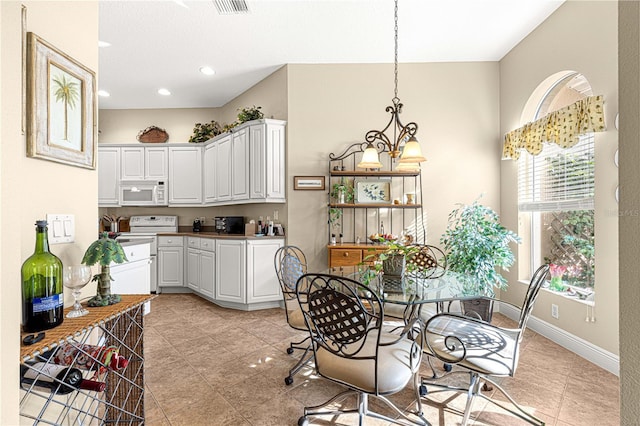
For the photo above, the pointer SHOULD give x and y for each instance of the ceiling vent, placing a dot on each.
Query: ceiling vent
(231, 7)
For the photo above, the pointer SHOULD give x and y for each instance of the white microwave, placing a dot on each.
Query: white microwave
(143, 193)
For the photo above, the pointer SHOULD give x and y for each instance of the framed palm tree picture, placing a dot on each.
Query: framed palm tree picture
(61, 106)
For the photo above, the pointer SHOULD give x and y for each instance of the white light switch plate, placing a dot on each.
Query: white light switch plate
(62, 228)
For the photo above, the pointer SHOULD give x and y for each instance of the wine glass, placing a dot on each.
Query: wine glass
(76, 277)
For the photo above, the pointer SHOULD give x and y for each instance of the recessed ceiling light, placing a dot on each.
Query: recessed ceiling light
(103, 43)
(164, 92)
(103, 93)
(207, 70)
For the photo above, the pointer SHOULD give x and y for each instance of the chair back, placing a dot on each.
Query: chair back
(290, 263)
(341, 312)
(429, 261)
(532, 293)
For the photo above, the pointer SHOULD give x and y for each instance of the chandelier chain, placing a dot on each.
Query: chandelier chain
(395, 59)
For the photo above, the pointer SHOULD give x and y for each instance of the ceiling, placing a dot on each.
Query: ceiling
(162, 44)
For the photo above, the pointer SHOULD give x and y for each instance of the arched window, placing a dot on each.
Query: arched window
(556, 191)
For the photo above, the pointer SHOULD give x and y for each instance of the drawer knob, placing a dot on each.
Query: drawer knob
(169, 241)
(346, 254)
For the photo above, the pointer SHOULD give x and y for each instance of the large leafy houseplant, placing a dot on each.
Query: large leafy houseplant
(104, 251)
(476, 244)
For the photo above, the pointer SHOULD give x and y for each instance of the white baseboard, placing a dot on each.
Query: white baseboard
(587, 350)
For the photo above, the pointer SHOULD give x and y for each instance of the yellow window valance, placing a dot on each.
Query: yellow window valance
(562, 127)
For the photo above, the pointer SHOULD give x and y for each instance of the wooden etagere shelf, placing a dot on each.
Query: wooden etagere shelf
(351, 223)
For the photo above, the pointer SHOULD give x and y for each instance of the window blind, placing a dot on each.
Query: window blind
(558, 179)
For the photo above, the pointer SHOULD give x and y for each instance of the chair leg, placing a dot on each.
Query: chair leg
(306, 357)
(474, 386)
(298, 345)
(524, 415)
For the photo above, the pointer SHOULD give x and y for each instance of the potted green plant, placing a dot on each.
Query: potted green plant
(104, 251)
(476, 244)
(393, 260)
(206, 131)
(342, 192)
(248, 114)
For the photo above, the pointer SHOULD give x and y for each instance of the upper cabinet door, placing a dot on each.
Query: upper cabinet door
(185, 175)
(156, 163)
(132, 163)
(223, 169)
(267, 171)
(108, 176)
(209, 170)
(240, 167)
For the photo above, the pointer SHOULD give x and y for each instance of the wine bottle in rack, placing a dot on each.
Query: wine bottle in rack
(54, 378)
(87, 357)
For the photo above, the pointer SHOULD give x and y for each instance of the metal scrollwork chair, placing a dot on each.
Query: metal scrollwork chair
(290, 263)
(427, 262)
(345, 319)
(481, 349)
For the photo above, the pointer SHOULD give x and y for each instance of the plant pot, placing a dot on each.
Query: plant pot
(478, 308)
(393, 266)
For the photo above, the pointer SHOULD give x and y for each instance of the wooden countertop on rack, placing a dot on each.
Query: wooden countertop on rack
(77, 326)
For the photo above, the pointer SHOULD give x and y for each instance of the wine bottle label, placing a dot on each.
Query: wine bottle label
(43, 304)
(41, 371)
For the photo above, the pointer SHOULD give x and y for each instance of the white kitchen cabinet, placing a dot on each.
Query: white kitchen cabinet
(143, 163)
(201, 265)
(132, 163)
(185, 175)
(267, 161)
(223, 166)
(170, 262)
(240, 164)
(156, 163)
(133, 276)
(262, 282)
(230, 271)
(209, 168)
(108, 176)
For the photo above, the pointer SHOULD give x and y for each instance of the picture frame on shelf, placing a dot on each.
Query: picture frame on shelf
(61, 106)
(372, 191)
(311, 183)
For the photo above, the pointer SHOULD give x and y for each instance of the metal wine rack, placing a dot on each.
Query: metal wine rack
(122, 402)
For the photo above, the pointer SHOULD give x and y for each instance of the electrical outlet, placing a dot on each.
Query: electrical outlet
(202, 220)
(554, 311)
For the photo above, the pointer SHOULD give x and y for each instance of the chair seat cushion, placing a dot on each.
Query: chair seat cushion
(296, 319)
(395, 365)
(489, 349)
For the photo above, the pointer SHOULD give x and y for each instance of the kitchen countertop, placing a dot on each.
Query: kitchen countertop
(219, 236)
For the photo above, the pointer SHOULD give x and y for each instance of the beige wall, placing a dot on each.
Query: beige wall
(332, 106)
(588, 31)
(30, 188)
(629, 60)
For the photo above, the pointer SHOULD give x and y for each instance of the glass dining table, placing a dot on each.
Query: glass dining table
(436, 286)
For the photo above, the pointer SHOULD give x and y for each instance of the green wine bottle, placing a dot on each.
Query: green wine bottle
(42, 291)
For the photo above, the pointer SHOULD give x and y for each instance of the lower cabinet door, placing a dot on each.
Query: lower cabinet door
(193, 269)
(170, 267)
(230, 270)
(262, 282)
(207, 273)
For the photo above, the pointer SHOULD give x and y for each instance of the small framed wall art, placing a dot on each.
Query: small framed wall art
(61, 106)
(373, 191)
(309, 182)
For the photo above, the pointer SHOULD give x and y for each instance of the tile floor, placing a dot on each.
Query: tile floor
(207, 365)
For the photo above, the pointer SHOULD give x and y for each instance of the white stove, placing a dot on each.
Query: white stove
(145, 227)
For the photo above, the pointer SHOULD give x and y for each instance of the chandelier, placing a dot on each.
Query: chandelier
(411, 154)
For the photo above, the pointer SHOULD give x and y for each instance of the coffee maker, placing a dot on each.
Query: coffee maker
(197, 225)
